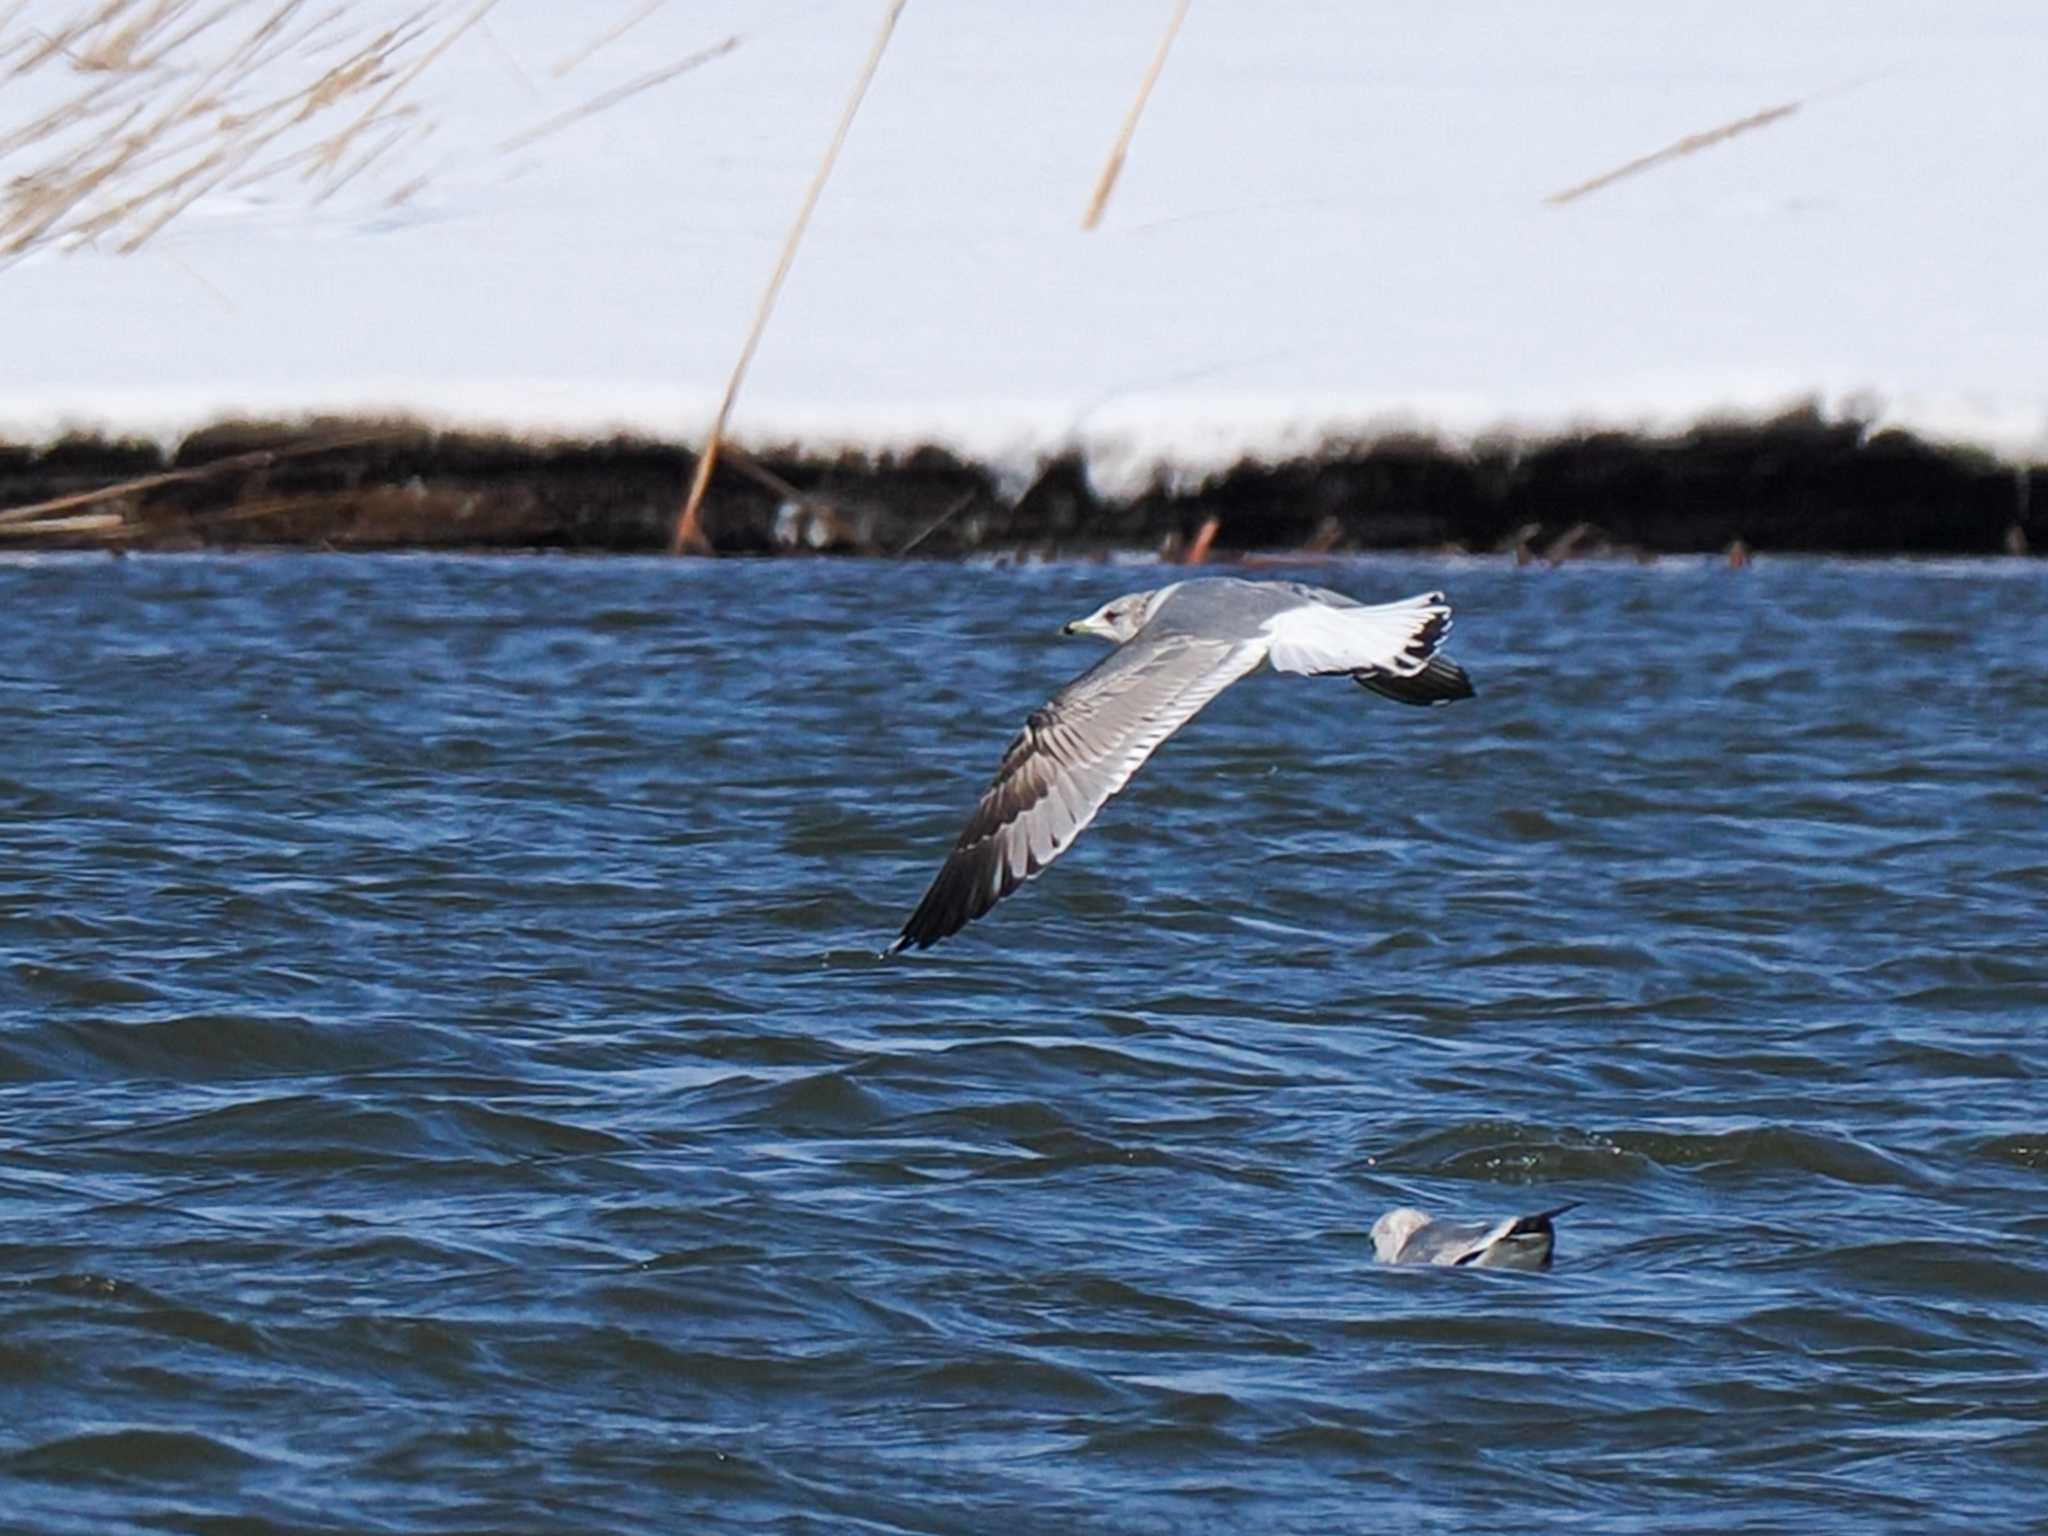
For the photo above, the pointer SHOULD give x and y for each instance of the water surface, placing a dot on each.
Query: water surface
(446, 1084)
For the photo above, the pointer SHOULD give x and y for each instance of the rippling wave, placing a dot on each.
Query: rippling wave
(449, 1083)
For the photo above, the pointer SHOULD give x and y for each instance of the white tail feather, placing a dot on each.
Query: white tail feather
(1393, 637)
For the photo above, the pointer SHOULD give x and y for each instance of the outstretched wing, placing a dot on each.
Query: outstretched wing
(1075, 751)
(1391, 648)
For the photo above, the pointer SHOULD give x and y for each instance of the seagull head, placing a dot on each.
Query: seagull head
(1116, 620)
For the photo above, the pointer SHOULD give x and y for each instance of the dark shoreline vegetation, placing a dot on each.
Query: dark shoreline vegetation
(1799, 482)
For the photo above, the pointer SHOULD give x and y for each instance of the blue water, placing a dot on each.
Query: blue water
(446, 1084)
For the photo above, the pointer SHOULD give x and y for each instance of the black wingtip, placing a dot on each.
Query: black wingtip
(1530, 1226)
(916, 934)
(1442, 681)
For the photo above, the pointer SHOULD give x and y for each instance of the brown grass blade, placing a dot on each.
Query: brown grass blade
(958, 505)
(1690, 144)
(338, 146)
(611, 35)
(689, 536)
(85, 522)
(154, 107)
(199, 28)
(612, 98)
(53, 45)
(1106, 182)
(258, 459)
(115, 50)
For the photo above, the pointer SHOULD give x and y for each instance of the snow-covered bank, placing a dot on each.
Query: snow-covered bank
(1332, 221)
(1800, 483)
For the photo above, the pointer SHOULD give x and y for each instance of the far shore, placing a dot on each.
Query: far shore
(1801, 482)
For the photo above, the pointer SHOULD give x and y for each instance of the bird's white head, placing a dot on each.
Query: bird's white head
(1119, 618)
(1391, 1232)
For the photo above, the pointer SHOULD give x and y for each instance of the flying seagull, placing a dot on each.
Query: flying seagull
(1178, 647)
(1409, 1236)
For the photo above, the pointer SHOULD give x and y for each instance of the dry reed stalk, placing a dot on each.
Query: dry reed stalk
(42, 207)
(760, 473)
(401, 131)
(138, 49)
(689, 535)
(1114, 167)
(337, 146)
(130, 149)
(1684, 146)
(113, 526)
(199, 97)
(157, 128)
(960, 504)
(78, 109)
(56, 44)
(608, 99)
(269, 40)
(218, 293)
(369, 66)
(275, 506)
(176, 192)
(85, 522)
(180, 198)
(570, 61)
(115, 52)
(216, 163)
(260, 458)
(509, 59)
(365, 69)
(326, 21)
(204, 24)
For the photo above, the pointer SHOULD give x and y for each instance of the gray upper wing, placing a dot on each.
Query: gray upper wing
(1514, 1242)
(1074, 752)
(1446, 1242)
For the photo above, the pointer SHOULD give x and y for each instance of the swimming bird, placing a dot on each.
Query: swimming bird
(1409, 1236)
(1177, 648)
